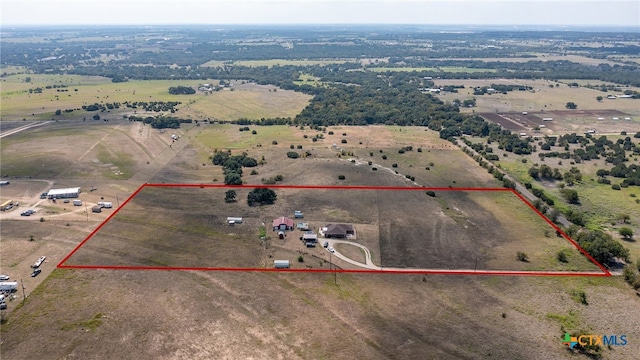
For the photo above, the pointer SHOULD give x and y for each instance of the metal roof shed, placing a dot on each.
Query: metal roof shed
(281, 264)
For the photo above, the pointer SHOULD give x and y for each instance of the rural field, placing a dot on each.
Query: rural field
(354, 315)
(543, 99)
(401, 229)
(243, 100)
(164, 273)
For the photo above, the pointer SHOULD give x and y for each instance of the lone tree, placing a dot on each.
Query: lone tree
(261, 196)
(599, 98)
(571, 105)
(522, 256)
(230, 196)
(626, 232)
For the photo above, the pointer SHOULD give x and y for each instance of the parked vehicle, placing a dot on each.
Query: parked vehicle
(36, 272)
(326, 244)
(4, 277)
(39, 262)
(331, 249)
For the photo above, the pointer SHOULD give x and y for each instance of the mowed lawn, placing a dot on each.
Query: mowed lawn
(250, 101)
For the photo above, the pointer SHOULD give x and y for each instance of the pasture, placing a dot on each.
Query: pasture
(546, 96)
(277, 62)
(454, 69)
(372, 314)
(244, 101)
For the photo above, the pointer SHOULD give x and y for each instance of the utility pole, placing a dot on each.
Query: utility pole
(86, 211)
(24, 297)
(117, 203)
(335, 279)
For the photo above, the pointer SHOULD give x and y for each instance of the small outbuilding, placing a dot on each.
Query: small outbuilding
(281, 264)
(282, 223)
(234, 220)
(303, 226)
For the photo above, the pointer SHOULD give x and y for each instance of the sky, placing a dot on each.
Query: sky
(222, 12)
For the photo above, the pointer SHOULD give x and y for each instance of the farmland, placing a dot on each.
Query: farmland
(321, 110)
(245, 101)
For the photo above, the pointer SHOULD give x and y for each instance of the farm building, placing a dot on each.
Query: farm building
(337, 231)
(282, 223)
(64, 193)
(281, 264)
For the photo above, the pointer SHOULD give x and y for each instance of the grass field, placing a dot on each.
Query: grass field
(197, 314)
(247, 101)
(544, 98)
(278, 62)
(436, 69)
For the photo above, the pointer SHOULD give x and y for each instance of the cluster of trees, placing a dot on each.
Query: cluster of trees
(101, 106)
(545, 172)
(232, 165)
(261, 196)
(181, 90)
(155, 106)
(600, 245)
(161, 122)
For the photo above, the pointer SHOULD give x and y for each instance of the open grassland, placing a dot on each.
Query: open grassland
(199, 314)
(81, 151)
(543, 57)
(542, 98)
(454, 69)
(204, 314)
(229, 137)
(247, 101)
(277, 62)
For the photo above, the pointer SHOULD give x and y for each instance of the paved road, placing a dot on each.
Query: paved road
(22, 128)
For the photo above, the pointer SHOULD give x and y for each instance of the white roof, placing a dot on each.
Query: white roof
(54, 192)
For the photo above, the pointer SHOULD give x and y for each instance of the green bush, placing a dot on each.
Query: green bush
(522, 256)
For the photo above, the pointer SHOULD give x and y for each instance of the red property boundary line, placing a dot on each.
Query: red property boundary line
(604, 272)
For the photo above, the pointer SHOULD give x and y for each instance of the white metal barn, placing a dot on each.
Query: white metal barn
(64, 193)
(281, 264)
